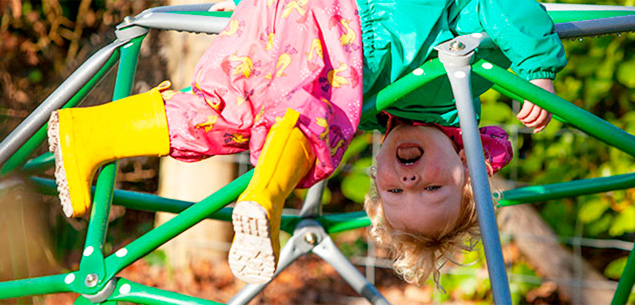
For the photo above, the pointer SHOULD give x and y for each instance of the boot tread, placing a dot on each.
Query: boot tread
(251, 257)
(60, 172)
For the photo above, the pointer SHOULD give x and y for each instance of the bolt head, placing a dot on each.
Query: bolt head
(311, 238)
(91, 280)
(456, 46)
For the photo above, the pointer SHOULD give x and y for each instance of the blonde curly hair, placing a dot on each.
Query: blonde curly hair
(415, 256)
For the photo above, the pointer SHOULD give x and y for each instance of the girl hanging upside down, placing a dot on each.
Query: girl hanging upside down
(284, 81)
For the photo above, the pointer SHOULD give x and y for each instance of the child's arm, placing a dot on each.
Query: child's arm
(533, 116)
(525, 33)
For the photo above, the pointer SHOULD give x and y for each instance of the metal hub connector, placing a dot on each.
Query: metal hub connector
(104, 293)
(457, 46)
(91, 280)
(311, 238)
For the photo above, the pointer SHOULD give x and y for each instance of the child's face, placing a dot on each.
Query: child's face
(420, 178)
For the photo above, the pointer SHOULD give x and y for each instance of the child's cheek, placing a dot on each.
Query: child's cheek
(434, 170)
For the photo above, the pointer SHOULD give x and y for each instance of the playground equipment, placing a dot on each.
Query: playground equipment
(96, 278)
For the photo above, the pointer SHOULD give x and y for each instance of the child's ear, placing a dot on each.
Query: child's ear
(462, 156)
(464, 160)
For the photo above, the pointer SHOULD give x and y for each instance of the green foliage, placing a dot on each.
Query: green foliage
(471, 282)
(624, 222)
(615, 268)
(593, 209)
(600, 78)
(157, 258)
(357, 247)
(355, 185)
(355, 180)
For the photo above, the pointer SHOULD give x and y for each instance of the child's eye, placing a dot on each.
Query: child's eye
(395, 191)
(432, 188)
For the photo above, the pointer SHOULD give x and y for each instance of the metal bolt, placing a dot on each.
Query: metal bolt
(127, 19)
(456, 46)
(91, 280)
(311, 238)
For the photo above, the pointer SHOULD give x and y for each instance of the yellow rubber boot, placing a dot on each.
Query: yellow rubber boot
(286, 158)
(83, 139)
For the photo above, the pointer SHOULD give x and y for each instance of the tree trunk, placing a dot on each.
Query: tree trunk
(25, 240)
(193, 181)
(537, 241)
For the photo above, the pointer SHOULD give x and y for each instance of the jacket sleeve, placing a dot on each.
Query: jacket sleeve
(525, 33)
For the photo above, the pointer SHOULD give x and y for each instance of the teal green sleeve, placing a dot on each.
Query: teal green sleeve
(525, 33)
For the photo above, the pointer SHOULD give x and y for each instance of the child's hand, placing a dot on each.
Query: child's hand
(223, 6)
(533, 116)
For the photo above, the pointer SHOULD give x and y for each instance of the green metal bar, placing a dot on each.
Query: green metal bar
(181, 222)
(576, 116)
(204, 13)
(81, 300)
(44, 186)
(573, 15)
(36, 285)
(154, 203)
(128, 291)
(625, 285)
(568, 189)
(335, 223)
(39, 164)
(34, 142)
(405, 85)
(92, 262)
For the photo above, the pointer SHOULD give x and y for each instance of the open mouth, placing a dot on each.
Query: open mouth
(409, 154)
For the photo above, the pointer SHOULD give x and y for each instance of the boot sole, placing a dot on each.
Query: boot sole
(60, 172)
(251, 257)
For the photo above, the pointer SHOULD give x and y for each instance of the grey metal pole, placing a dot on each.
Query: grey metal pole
(604, 26)
(180, 8)
(177, 22)
(310, 236)
(458, 69)
(55, 101)
(312, 205)
(329, 252)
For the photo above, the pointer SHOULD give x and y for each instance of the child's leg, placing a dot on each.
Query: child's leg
(286, 158)
(82, 139)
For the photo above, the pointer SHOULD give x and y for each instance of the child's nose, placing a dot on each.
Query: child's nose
(410, 179)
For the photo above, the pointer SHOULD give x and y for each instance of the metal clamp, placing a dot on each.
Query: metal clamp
(459, 51)
(103, 294)
(127, 30)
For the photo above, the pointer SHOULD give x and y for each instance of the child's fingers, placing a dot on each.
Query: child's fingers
(544, 125)
(536, 118)
(525, 110)
(531, 115)
(222, 6)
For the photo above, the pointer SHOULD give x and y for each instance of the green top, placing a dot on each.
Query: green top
(399, 36)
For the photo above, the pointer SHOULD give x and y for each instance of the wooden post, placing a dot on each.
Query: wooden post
(552, 260)
(193, 181)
